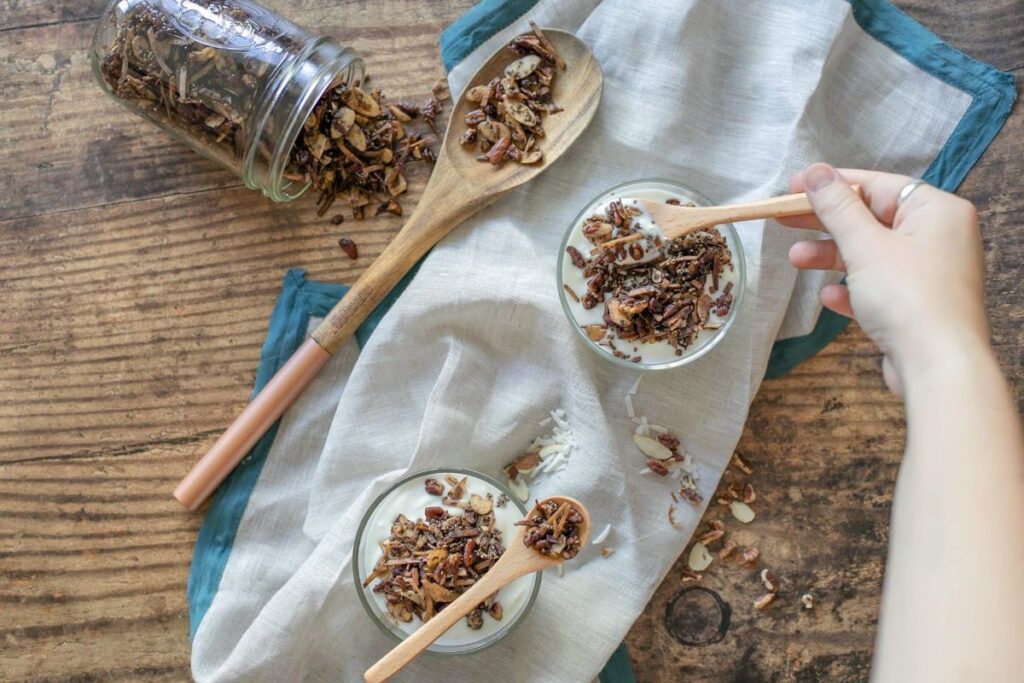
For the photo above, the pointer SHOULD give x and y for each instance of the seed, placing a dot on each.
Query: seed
(349, 247)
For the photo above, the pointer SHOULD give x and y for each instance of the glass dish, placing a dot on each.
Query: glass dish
(366, 552)
(658, 189)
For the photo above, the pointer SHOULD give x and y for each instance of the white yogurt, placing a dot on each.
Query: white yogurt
(410, 499)
(652, 353)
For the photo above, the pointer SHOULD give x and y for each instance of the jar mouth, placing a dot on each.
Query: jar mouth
(728, 229)
(357, 561)
(321, 63)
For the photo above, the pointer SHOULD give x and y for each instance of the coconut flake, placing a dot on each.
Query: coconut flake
(601, 537)
(636, 385)
(629, 407)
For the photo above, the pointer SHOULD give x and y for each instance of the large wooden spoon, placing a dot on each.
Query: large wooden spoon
(459, 187)
(675, 221)
(518, 560)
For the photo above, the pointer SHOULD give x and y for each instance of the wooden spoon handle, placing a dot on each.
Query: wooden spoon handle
(501, 574)
(441, 208)
(774, 207)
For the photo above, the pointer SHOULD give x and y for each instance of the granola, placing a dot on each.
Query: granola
(427, 563)
(652, 289)
(551, 529)
(510, 116)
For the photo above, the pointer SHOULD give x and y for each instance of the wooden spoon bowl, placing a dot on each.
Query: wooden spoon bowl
(577, 89)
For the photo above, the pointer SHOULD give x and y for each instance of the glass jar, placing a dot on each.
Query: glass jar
(230, 78)
(657, 356)
(407, 496)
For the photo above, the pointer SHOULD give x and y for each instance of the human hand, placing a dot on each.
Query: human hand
(915, 273)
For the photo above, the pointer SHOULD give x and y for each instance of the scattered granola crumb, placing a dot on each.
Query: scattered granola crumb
(727, 549)
(807, 600)
(763, 602)
(690, 575)
(741, 464)
(748, 557)
(607, 552)
(769, 580)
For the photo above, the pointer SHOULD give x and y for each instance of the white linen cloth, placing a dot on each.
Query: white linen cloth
(729, 97)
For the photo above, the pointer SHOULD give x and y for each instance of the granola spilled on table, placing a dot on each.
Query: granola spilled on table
(652, 289)
(428, 563)
(356, 145)
(509, 119)
(552, 529)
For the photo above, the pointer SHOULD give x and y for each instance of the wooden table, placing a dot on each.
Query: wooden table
(136, 282)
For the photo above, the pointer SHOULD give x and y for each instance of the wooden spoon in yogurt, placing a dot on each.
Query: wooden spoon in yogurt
(519, 559)
(675, 220)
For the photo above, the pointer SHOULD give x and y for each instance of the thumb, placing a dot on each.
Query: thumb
(841, 210)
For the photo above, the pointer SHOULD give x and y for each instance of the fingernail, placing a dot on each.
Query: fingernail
(818, 177)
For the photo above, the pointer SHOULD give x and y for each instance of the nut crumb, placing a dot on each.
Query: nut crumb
(807, 600)
(749, 556)
(763, 602)
(727, 549)
(769, 580)
(741, 464)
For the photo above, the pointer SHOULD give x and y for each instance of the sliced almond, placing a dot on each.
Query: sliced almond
(481, 505)
(492, 131)
(476, 93)
(343, 119)
(356, 138)
(764, 601)
(523, 114)
(519, 488)
(361, 103)
(699, 559)
(395, 182)
(522, 67)
(399, 114)
(652, 448)
(741, 511)
(531, 157)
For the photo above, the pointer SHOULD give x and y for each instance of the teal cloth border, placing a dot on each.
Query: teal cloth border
(993, 93)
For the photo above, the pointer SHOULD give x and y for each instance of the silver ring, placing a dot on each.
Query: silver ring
(908, 189)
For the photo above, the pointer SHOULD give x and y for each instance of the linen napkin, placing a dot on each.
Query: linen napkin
(728, 97)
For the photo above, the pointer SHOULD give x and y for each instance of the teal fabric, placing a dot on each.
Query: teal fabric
(992, 92)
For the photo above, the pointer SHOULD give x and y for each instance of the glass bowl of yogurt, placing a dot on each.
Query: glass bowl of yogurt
(411, 497)
(659, 331)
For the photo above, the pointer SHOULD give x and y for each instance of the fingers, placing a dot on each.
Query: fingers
(817, 255)
(850, 222)
(837, 298)
(879, 190)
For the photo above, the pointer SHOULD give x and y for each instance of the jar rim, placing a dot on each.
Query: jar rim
(338, 60)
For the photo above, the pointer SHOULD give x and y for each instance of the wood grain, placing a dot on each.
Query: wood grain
(117, 248)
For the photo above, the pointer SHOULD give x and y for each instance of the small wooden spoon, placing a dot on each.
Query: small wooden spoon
(518, 560)
(676, 221)
(458, 188)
